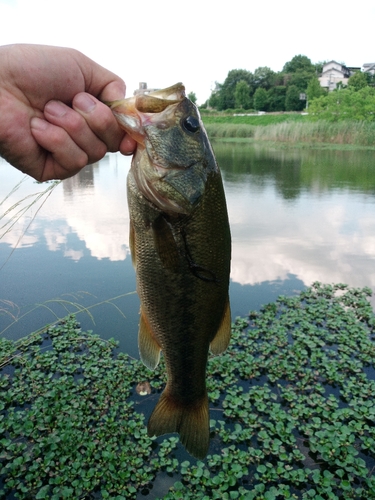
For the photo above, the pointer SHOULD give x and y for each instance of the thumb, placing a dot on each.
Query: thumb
(99, 81)
(113, 91)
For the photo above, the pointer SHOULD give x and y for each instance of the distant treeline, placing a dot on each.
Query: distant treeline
(266, 90)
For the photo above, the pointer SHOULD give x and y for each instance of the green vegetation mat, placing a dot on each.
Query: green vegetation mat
(292, 408)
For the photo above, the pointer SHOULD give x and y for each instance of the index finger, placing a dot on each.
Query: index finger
(100, 119)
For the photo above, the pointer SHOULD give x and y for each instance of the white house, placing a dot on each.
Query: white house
(334, 73)
(369, 68)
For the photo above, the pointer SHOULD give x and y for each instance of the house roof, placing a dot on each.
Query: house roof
(368, 66)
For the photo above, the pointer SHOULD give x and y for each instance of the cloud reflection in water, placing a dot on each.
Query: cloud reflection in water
(287, 217)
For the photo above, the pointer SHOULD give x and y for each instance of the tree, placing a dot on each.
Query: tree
(298, 63)
(264, 77)
(276, 98)
(301, 79)
(292, 100)
(297, 73)
(345, 104)
(242, 95)
(192, 97)
(214, 99)
(314, 89)
(225, 95)
(260, 99)
(358, 81)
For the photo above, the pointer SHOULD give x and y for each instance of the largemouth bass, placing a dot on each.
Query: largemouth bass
(181, 249)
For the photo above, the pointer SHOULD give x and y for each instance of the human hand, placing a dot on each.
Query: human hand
(52, 122)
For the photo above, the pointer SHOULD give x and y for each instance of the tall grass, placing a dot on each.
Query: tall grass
(357, 133)
(230, 130)
(253, 119)
(14, 213)
(346, 132)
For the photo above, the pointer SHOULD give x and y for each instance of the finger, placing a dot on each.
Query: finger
(100, 119)
(99, 81)
(63, 157)
(128, 145)
(78, 129)
(113, 91)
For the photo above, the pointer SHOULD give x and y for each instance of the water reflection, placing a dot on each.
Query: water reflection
(90, 206)
(296, 216)
(300, 212)
(85, 180)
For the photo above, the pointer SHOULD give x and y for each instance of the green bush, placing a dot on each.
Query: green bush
(345, 104)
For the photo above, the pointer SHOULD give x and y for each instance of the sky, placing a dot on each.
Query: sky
(162, 42)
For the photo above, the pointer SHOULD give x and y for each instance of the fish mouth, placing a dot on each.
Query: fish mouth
(136, 112)
(158, 100)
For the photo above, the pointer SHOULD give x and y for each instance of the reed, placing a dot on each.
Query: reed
(358, 133)
(220, 130)
(14, 213)
(345, 132)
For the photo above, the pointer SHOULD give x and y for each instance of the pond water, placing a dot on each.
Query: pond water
(297, 216)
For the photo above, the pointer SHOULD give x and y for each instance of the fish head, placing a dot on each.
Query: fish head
(174, 156)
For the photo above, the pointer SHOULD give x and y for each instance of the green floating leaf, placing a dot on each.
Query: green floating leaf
(291, 391)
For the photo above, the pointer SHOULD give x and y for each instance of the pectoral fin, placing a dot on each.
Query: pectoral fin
(149, 349)
(165, 244)
(222, 337)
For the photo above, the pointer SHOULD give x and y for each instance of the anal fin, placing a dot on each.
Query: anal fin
(221, 340)
(149, 349)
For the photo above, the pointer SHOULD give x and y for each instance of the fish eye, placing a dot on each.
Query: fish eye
(191, 124)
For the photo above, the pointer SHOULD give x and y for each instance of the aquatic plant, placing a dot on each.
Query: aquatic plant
(291, 407)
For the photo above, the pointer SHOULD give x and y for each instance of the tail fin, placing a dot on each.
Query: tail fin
(191, 422)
